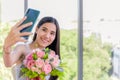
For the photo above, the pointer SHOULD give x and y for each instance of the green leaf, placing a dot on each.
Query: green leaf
(42, 75)
(24, 70)
(56, 72)
(47, 50)
(34, 56)
(45, 56)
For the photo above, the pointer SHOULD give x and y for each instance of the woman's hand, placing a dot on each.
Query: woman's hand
(15, 35)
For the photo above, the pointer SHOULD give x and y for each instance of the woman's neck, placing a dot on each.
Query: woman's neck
(35, 45)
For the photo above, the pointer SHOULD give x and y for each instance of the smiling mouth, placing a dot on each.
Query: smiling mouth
(45, 41)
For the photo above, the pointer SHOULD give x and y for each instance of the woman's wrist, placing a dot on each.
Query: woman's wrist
(6, 49)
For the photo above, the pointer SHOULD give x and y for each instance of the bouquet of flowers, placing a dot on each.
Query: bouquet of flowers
(41, 63)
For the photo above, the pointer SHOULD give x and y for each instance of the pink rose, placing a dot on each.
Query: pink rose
(51, 56)
(40, 54)
(30, 64)
(52, 53)
(33, 68)
(53, 59)
(39, 63)
(29, 56)
(36, 69)
(47, 68)
(56, 61)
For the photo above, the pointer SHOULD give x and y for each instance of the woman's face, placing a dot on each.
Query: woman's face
(46, 34)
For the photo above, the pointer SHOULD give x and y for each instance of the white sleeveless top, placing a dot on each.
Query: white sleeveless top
(17, 75)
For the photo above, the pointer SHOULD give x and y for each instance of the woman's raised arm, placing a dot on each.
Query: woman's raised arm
(12, 38)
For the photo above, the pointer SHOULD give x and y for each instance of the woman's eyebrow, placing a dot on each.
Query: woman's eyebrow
(44, 27)
(47, 29)
(53, 32)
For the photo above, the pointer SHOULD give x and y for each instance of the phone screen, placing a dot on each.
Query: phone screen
(32, 16)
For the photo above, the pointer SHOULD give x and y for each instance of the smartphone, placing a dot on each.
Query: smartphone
(32, 16)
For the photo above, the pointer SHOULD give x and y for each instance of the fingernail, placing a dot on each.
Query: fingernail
(31, 33)
(31, 22)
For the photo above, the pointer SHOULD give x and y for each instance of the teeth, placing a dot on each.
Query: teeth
(45, 41)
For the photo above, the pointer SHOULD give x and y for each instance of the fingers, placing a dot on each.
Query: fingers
(24, 26)
(17, 39)
(20, 22)
(10, 42)
(18, 25)
(25, 34)
(15, 35)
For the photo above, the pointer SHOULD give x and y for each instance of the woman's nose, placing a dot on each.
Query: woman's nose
(47, 35)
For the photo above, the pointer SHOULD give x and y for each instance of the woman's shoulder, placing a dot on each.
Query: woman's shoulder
(21, 46)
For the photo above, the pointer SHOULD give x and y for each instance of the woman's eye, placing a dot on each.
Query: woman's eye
(44, 29)
(52, 33)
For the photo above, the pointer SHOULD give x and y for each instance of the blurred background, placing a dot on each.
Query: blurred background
(65, 11)
(101, 29)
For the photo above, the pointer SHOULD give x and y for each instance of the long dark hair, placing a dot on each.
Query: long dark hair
(56, 43)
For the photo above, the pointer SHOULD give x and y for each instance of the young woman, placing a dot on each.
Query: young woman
(47, 34)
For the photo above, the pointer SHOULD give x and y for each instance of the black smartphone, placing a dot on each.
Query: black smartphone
(32, 15)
